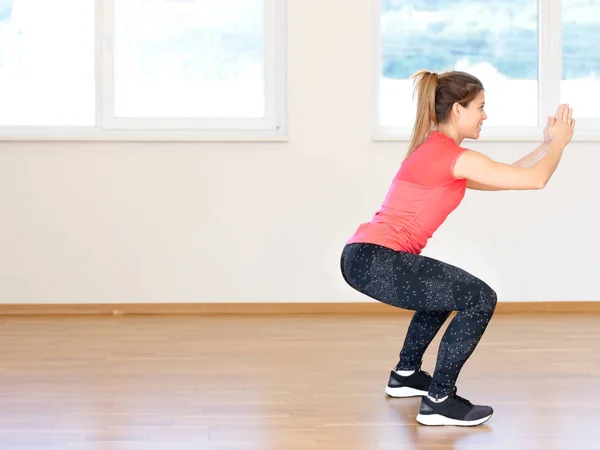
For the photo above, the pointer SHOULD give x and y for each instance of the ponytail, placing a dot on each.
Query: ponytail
(425, 88)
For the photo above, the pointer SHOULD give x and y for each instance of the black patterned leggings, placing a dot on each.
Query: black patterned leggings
(433, 289)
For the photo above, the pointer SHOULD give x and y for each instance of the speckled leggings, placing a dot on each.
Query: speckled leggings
(433, 289)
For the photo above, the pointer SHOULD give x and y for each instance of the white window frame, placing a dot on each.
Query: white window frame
(273, 127)
(549, 80)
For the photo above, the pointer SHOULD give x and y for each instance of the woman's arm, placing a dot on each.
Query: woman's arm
(527, 161)
(481, 170)
(481, 187)
(531, 158)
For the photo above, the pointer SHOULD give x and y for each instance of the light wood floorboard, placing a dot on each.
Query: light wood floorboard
(286, 383)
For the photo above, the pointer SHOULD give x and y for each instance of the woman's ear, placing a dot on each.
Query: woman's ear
(456, 108)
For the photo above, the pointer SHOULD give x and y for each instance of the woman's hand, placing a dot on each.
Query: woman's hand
(561, 131)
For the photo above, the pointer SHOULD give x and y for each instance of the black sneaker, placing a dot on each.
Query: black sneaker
(411, 386)
(454, 410)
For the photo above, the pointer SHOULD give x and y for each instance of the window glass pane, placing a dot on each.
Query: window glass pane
(580, 85)
(190, 58)
(47, 62)
(495, 41)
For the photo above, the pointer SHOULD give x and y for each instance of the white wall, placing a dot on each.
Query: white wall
(265, 222)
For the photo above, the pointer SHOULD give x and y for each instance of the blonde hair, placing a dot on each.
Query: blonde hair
(435, 96)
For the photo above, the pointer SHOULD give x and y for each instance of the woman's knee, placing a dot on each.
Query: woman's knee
(488, 299)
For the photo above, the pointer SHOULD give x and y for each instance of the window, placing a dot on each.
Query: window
(513, 46)
(183, 69)
(580, 81)
(47, 63)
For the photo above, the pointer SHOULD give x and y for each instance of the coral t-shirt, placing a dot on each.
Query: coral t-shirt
(422, 195)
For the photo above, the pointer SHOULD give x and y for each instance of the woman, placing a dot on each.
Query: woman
(382, 259)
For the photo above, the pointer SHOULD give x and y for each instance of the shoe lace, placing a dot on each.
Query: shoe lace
(459, 398)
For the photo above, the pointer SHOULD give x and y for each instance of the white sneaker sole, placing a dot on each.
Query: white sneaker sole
(438, 420)
(402, 392)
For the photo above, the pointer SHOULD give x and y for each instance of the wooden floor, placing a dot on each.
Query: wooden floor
(285, 383)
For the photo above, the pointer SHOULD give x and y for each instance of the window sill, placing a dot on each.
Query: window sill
(95, 135)
(493, 135)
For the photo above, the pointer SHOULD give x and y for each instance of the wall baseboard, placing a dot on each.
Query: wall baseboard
(272, 308)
